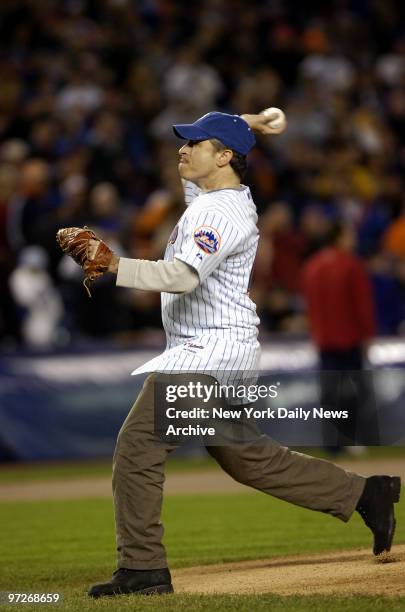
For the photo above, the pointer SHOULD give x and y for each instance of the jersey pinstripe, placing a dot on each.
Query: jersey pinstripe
(191, 191)
(214, 327)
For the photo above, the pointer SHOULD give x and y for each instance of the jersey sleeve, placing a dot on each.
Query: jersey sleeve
(191, 191)
(209, 237)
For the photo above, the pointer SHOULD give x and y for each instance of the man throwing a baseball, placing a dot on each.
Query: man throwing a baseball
(211, 326)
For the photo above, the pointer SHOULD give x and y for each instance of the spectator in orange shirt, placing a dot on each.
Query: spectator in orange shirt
(394, 237)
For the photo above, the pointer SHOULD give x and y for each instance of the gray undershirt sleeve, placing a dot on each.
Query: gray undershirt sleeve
(168, 276)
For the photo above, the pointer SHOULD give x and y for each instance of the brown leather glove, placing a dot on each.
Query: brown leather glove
(75, 241)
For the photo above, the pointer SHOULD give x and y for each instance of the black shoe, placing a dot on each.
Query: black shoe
(376, 507)
(142, 582)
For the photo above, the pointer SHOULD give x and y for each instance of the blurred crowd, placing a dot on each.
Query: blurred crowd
(89, 91)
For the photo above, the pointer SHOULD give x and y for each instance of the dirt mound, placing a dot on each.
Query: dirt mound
(338, 573)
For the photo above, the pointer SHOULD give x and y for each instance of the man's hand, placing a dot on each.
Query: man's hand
(269, 121)
(114, 261)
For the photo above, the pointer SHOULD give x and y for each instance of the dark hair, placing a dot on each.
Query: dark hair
(238, 162)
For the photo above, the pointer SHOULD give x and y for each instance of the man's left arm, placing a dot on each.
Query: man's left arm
(96, 258)
(161, 276)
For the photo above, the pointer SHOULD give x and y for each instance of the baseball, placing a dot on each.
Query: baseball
(279, 122)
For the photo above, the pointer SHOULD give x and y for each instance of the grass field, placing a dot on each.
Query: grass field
(66, 546)
(73, 469)
(76, 469)
(74, 602)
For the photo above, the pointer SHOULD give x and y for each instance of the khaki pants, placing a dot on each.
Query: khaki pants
(138, 477)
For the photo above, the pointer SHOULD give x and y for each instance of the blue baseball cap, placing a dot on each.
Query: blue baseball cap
(231, 130)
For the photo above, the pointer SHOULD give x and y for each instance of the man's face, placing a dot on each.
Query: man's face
(198, 160)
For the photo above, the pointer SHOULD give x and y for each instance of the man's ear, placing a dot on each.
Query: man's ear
(224, 157)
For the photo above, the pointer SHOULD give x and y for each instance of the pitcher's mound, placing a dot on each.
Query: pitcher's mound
(343, 573)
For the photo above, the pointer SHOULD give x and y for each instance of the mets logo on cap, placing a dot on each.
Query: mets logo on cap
(207, 239)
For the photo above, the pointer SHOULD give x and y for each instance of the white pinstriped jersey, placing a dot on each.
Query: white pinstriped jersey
(214, 327)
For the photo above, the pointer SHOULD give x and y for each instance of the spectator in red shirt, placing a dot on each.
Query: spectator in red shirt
(341, 316)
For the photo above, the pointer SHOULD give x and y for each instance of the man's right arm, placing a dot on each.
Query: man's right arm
(260, 123)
